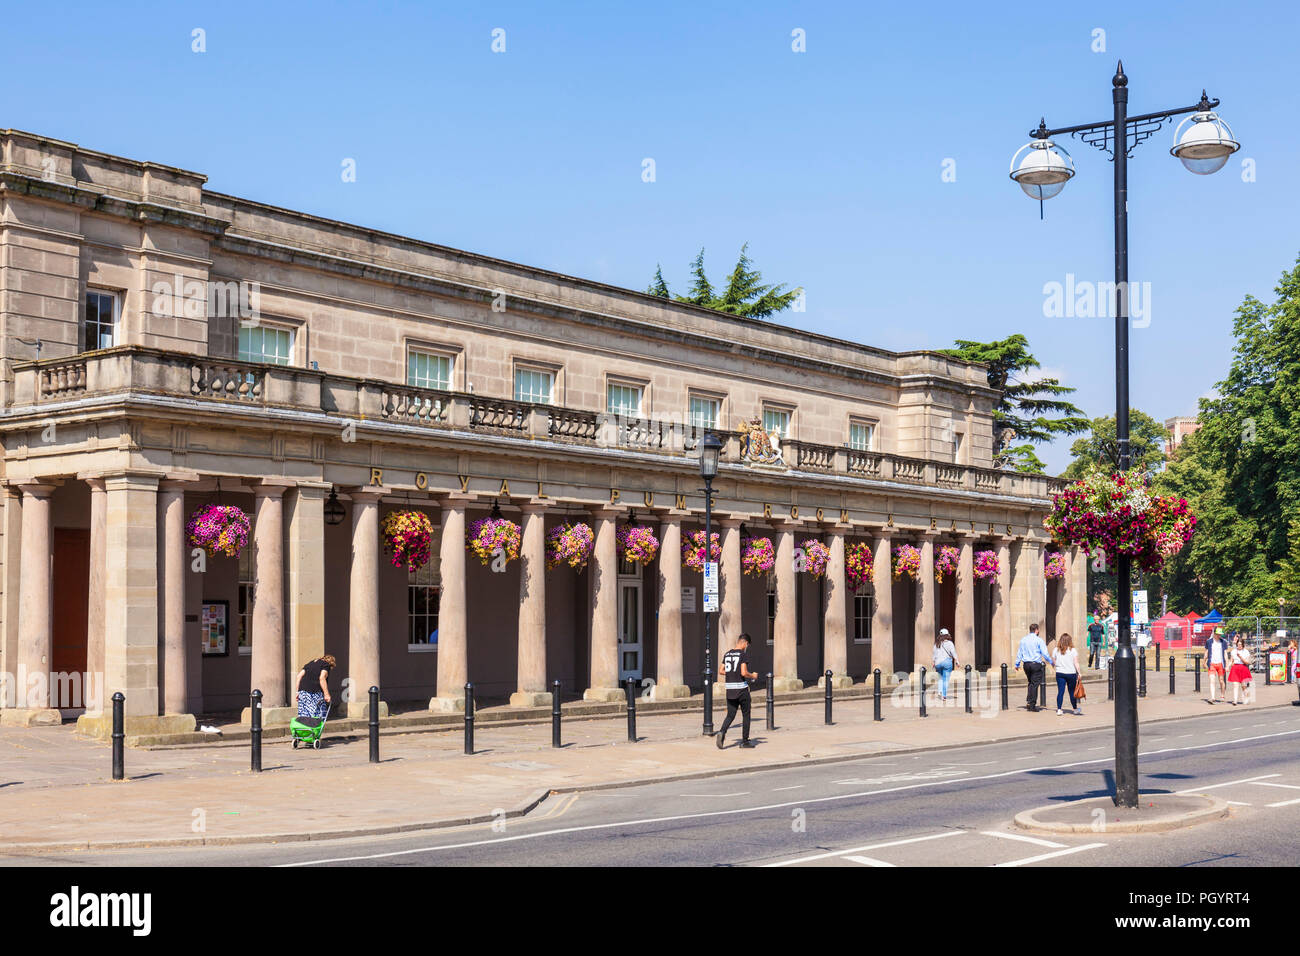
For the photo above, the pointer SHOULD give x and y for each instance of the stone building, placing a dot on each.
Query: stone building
(167, 348)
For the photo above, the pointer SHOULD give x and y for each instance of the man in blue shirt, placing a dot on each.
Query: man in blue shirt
(1033, 655)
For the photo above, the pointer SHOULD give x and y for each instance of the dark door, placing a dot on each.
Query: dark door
(71, 586)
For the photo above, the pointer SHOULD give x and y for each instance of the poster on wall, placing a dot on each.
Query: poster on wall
(214, 628)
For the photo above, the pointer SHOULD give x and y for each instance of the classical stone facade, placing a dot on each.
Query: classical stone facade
(166, 347)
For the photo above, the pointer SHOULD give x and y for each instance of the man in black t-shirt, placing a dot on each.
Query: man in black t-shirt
(736, 674)
(1096, 640)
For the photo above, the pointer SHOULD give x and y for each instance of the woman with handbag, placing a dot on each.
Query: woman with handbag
(1065, 659)
(945, 660)
(1239, 672)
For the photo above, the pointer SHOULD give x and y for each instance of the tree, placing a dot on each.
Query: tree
(745, 294)
(1027, 405)
(1101, 449)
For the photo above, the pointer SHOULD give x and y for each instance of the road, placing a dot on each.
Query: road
(951, 808)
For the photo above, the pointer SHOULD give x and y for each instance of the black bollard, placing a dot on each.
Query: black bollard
(1042, 690)
(1268, 671)
(1004, 686)
(968, 710)
(374, 725)
(1110, 679)
(255, 728)
(469, 718)
(1142, 671)
(555, 713)
(922, 691)
(876, 694)
(828, 697)
(1197, 658)
(630, 685)
(771, 704)
(1158, 657)
(1172, 672)
(119, 736)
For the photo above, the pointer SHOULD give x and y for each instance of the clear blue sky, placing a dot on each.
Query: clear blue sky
(828, 162)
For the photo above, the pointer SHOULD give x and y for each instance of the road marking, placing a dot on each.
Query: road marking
(1096, 748)
(759, 809)
(561, 807)
(1238, 803)
(1284, 786)
(863, 849)
(868, 861)
(797, 786)
(741, 794)
(1048, 856)
(1023, 839)
(1230, 783)
(1180, 736)
(1284, 803)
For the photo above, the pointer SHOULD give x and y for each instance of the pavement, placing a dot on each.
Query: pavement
(55, 794)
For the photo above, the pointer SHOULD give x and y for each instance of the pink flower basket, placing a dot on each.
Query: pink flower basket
(569, 544)
(1053, 565)
(637, 543)
(693, 550)
(907, 562)
(816, 557)
(218, 529)
(488, 535)
(945, 562)
(406, 538)
(859, 564)
(986, 565)
(757, 556)
(1118, 514)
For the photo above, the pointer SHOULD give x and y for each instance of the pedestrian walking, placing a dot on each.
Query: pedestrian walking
(945, 660)
(735, 673)
(1096, 640)
(1239, 672)
(1065, 659)
(313, 686)
(1216, 657)
(1032, 655)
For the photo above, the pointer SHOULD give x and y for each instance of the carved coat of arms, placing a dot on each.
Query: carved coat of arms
(758, 446)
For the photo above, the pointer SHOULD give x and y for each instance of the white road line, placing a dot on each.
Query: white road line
(1023, 839)
(863, 849)
(743, 793)
(1230, 783)
(1048, 856)
(759, 809)
(1284, 803)
(797, 786)
(1238, 803)
(1185, 736)
(1096, 748)
(868, 861)
(1284, 786)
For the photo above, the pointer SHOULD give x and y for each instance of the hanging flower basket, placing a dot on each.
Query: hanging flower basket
(693, 550)
(637, 543)
(859, 564)
(569, 544)
(406, 538)
(945, 562)
(1053, 565)
(1119, 515)
(907, 562)
(488, 535)
(218, 529)
(757, 556)
(816, 557)
(986, 565)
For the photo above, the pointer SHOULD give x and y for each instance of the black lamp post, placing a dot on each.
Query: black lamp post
(1042, 169)
(710, 449)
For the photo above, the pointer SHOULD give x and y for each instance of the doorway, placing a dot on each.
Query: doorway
(71, 585)
(629, 621)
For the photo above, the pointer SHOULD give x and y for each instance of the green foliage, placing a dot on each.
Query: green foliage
(745, 294)
(1031, 409)
(1239, 471)
(1100, 449)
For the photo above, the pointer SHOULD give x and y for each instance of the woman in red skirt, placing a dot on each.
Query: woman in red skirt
(1239, 672)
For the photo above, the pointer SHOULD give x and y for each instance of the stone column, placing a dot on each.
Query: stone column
(669, 681)
(12, 500)
(785, 651)
(1000, 626)
(531, 690)
(96, 702)
(171, 588)
(603, 569)
(1037, 584)
(882, 618)
(927, 597)
(35, 621)
(453, 649)
(835, 639)
(363, 603)
(964, 623)
(305, 567)
(730, 620)
(268, 659)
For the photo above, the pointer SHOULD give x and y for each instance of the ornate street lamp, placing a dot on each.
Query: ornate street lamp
(710, 451)
(1203, 147)
(334, 512)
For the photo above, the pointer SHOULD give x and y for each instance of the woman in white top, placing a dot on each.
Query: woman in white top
(1239, 671)
(1066, 661)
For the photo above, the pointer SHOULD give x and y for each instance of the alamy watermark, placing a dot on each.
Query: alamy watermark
(1084, 299)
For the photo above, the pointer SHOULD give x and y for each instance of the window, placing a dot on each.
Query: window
(956, 447)
(704, 412)
(862, 435)
(247, 571)
(101, 321)
(272, 344)
(624, 400)
(776, 420)
(771, 606)
(534, 385)
(423, 596)
(428, 369)
(863, 606)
